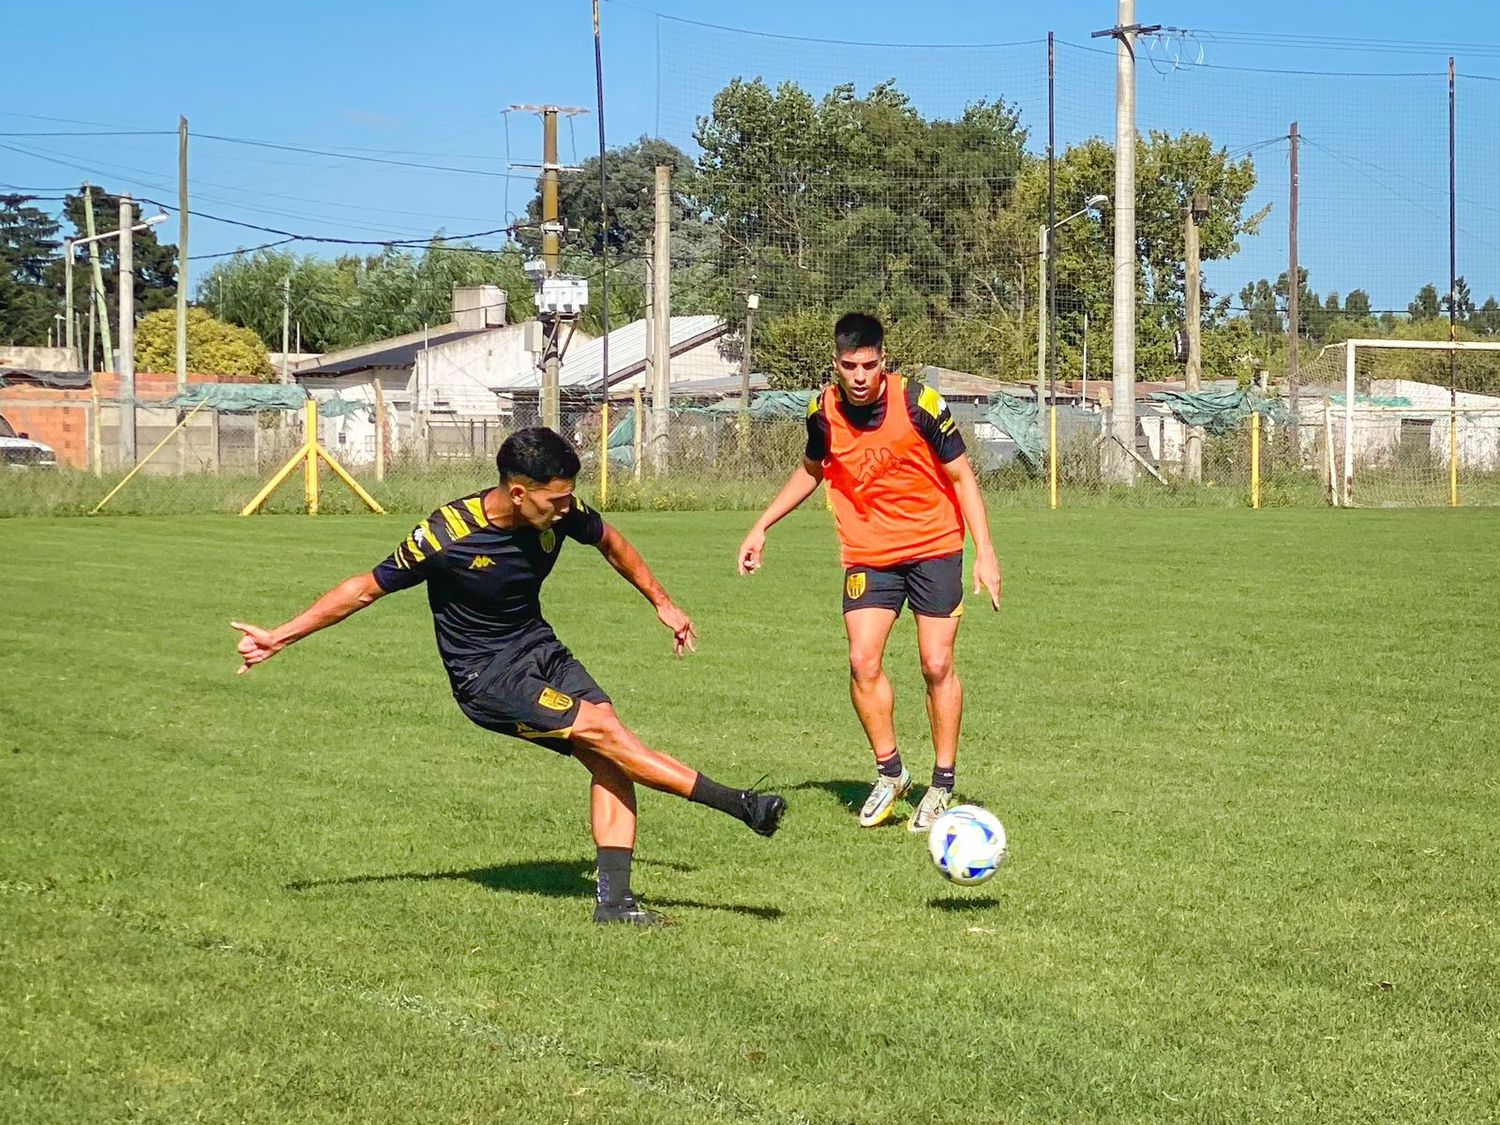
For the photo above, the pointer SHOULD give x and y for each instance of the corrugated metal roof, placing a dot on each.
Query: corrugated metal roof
(583, 366)
(401, 355)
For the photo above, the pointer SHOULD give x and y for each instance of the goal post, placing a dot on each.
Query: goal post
(1411, 434)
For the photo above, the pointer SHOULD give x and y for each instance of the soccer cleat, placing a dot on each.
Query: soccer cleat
(628, 912)
(880, 805)
(934, 804)
(763, 812)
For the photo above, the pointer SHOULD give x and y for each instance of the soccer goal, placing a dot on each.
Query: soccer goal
(1403, 433)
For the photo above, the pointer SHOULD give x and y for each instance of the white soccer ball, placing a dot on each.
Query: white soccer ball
(967, 844)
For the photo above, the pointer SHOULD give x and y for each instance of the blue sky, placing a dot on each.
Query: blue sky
(428, 84)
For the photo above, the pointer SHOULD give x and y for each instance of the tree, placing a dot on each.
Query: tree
(1425, 305)
(1461, 299)
(214, 348)
(631, 172)
(28, 242)
(1357, 304)
(1486, 322)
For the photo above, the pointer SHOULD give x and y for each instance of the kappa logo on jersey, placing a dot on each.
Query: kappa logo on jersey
(854, 585)
(554, 700)
(419, 537)
(876, 464)
(549, 540)
(481, 562)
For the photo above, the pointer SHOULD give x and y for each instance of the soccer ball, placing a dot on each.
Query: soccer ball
(967, 844)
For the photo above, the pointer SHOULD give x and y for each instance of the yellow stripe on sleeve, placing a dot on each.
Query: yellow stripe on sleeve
(476, 509)
(457, 529)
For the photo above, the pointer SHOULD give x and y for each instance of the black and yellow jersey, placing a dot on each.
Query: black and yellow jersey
(484, 583)
(924, 406)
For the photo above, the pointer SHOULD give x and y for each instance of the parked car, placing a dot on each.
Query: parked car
(18, 451)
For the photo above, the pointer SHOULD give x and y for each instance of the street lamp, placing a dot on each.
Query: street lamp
(72, 244)
(1043, 242)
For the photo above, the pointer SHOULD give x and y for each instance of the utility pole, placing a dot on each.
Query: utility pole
(552, 258)
(182, 279)
(1120, 465)
(752, 302)
(286, 325)
(72, 336)
(127, 331)
(1192, 451)
(98, 274)
(1293, 292)
(661, 348)
(1041, 312)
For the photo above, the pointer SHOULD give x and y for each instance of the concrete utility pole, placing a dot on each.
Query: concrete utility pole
(551, 403)
(1293, 292)
(127, 331)
(661, 348)
(1192, 450)
(1041, 311)
(182, 280)
(286, 325)
(752, 302)
(98, 274)
(1119, 465)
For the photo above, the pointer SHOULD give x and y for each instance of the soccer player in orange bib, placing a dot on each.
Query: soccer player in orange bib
(903, 492)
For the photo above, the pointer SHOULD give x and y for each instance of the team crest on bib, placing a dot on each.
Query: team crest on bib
(854, 585)
(555, 700)
(549, 540)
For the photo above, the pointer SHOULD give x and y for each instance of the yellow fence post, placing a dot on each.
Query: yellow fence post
(1453, 456)
(1255, 459)
(310, 465)
(1052, 458)
(604, 454)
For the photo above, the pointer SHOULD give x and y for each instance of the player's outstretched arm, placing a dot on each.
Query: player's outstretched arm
(349, 596)
(799, 486)
(623, 556)
(971, 503)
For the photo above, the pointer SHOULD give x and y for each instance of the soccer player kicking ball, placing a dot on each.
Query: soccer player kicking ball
(902, 491)
(484, 558)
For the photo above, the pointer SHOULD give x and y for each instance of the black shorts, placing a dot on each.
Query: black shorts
(530, 690)
(934, 587)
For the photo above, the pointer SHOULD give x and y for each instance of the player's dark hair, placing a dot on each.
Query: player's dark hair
(857, 330)
(538, 454)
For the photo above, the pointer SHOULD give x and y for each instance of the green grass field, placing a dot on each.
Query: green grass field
(1246, 761)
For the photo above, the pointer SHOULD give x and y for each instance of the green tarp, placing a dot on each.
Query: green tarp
(1017, 419)
(251, 398)
(1218, 412)
(765, 406)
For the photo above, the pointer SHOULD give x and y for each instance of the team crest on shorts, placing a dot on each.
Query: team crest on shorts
(555, 700)
(549, 540)
(854, 585)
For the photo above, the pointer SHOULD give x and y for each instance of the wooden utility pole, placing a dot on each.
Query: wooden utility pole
(286, 325)
(661, 349)
(1192, 451)
(752, 302)
(182, 281)
(126, 261)
(1293, 292)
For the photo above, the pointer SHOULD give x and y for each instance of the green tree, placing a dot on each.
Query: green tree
(1486, 322)
(1425, 305)
(1357, 304)
(1461, 299)
(214, 348)
(28, 244)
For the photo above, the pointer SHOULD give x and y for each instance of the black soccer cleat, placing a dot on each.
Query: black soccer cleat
(763, 812)
(628, 912)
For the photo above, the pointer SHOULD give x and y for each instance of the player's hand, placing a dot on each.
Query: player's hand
(257, 645)
(684, 636)
(750, 551)
(987, 577)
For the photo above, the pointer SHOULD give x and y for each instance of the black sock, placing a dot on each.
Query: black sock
(614, 874)
(708, 792)
(943, 778)
(891, 766)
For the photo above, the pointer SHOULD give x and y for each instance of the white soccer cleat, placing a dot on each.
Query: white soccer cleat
(880, 805)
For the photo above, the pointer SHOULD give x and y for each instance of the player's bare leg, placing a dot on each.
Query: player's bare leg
(936, 638)
(875, 704)
(598, 729)
(612, 817)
